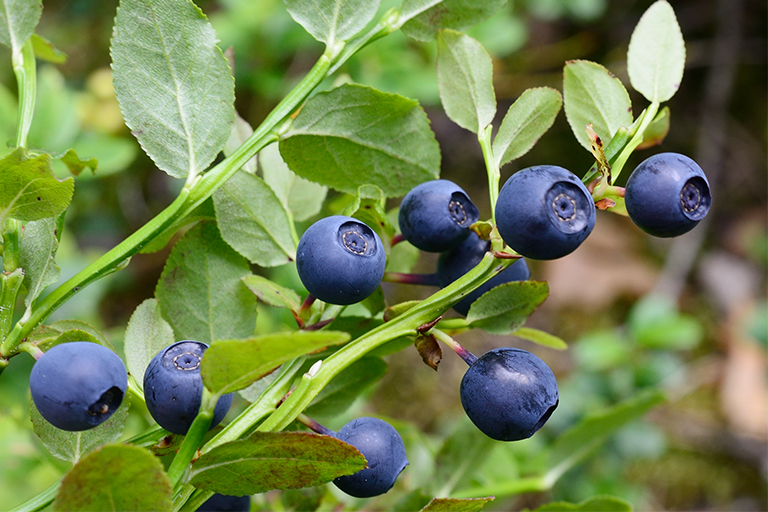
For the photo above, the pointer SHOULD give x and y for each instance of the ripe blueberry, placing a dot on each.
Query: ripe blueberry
(78, 385)
(384, 451)
(453, 264)
(173, 387)
(225, 503)
(509, 393)
(667, 195)
(544, 212)
(435, 216)
(340, 260)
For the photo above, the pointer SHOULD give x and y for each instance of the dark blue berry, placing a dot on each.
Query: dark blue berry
(384, 451)
(173, 387)
(667, 195)
(340, 260)
(453, 264)
(509, 393)
(544, 212)
(435, 216)
(78, 385)
(225, 503)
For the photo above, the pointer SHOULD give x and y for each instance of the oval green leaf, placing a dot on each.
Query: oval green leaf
(147, 334)
(275, 460)
(423, 19)
(593, 95)
(656, 56)
(272, 293)
(230, 365)
(540, 337)
(355, 135)
(330, 21)
(38, 252)
(505, 308)
(173, 83)
(465, 80)
(303, 198)
(115, 477)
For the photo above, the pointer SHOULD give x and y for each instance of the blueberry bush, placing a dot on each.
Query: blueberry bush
(294, 214)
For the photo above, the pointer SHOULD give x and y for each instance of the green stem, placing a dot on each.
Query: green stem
(492, 168)
(26, 78)
(637, 138)
(403, 325)
(386, 25)
(193, 439)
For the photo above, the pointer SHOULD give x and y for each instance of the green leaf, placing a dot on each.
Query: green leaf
(505, 308)
(578, 442)
(465, 80)
(253, 221)
(230, 365)
(656, 324)
(457, 504)
(593, 95)
(274, 460)
(72, 446)
(38, 251)
(369, 206)
(147, 334)
(657, 130)
(656, 56)
(18, 19)
(542, 338)
(303, 198)
(29, 190)
(116, 477)
(529, 117)
(201, 292)
(355, 135)
(272, 293)
(75, 164)
(343, 390)
(331, 21)
(173, 83)
(427, 17)
(595, 504)
(45, 50)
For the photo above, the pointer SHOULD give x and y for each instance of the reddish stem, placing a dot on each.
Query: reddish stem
(422, 279)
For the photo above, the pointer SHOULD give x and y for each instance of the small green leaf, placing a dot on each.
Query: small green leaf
(578, 442)
(147, 334)
(656, 56)
(45, 50)
(368, 206)
(529, 117)
(72, 446)
(75, 164)
(253, 221)
(657, 130)
(355, 135)
(201, 292)
(593, 95)
(505, 308)
(331, 21)
(343, 390)
(38, 251)
(272, 293)
(173, 83)
(465, 80)
(115, 477)
(425, 18)
(303, 198)
(230, 365)
(64, 331)
(457, 504)
(29, 190)
(595, 504)
(542, 338)
(274, 460)
(18, 19)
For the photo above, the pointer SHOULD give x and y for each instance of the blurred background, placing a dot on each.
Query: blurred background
(688, 314)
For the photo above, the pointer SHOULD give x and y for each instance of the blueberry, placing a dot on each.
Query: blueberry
(173, 387)
(384, 451)
(225, 503)
(667, 195)
(453, 264)
(544, 212)
(78, 385)
(340, 260)
(509, 393)
(435, 216)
